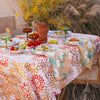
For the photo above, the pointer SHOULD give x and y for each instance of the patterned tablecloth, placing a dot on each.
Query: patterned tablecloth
(31, 77)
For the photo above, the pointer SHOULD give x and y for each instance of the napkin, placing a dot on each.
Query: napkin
(60, 60)
(87, 49)
(61, 63)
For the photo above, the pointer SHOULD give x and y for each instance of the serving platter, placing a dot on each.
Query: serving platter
(52, 33)
(40, 51)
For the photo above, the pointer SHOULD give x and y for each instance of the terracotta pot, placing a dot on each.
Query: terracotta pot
(42, 29)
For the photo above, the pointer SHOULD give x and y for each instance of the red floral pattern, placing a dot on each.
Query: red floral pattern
(38, 82)
(16, 99)
(3, 61)
(24, 89)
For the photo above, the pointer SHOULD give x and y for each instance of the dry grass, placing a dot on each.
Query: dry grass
(84, 16)
(83, 92)
(87, 25)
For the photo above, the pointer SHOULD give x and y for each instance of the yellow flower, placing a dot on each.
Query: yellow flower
(17, 14)
(41, 10)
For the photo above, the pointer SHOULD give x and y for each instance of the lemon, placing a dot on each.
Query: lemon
(52, 42)
(23, 46)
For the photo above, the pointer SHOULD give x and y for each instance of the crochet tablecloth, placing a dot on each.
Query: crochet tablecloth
(31, 77)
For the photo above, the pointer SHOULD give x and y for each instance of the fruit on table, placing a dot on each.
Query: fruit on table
(74, 39)
(11, 40)
(35, 43)
(64, 33)
(39, 42)
(44, 48)
(11, 48)
(30, 36)
(60, 33)
(15, 48)
(52, 42)
(18, 46)
(33, 36)
(23, 46)
(57, 33)
(30, 43)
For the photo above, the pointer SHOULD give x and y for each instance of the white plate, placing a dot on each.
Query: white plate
(8, 44)
(68, 42)
(52, 34)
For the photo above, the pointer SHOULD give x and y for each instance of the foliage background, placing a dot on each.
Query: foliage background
(82, 16)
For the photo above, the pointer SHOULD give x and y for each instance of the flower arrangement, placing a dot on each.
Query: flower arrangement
(42, 10)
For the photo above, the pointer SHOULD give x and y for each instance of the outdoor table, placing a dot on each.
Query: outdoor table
(31, 77)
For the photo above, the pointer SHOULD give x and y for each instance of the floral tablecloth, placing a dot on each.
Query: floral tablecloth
(31, 77)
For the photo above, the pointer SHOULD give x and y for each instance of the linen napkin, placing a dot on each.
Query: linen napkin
(61, 62)
(87, 49)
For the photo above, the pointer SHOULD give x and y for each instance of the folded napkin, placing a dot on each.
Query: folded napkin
(60, 61)
(87, 49)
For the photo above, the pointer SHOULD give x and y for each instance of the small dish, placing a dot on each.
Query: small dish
(17, 49)
(69, 42)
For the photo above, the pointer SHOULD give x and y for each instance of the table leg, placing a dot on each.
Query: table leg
(62, 96)
(98, 78)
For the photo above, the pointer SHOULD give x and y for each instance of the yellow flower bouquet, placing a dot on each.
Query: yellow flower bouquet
(42, 10)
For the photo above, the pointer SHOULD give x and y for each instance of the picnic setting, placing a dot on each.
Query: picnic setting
(43, 52)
